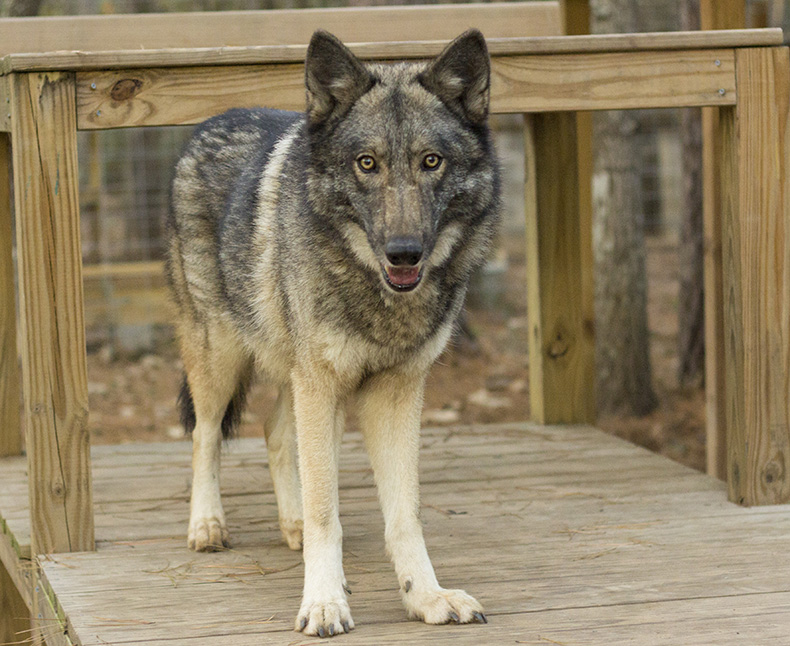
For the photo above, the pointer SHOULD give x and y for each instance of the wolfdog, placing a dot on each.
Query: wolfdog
(330, 252)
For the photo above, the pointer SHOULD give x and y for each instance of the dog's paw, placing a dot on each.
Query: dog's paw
(293, 532)
(440, 606)
(325, 619)
(208, 535)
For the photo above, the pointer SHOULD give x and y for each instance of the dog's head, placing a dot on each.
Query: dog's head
(400, 155)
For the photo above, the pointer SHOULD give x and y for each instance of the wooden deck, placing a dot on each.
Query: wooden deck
(565, 534)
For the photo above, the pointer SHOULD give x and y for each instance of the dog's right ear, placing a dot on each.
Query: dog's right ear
(334, 77)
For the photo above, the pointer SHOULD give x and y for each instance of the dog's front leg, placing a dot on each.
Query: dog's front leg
(390, 406)
(319, 428)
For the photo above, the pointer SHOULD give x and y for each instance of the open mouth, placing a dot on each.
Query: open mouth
(403, 279)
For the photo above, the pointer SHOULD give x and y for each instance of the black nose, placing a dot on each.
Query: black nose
(403, 250)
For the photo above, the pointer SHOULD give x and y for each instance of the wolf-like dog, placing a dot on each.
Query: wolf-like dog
(330, 252)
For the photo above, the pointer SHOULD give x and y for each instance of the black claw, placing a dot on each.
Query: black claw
(303, 623)
(480, 618)
(331, 630)
(321, 631)
(346, 627)
(346, 588)
(454, 617)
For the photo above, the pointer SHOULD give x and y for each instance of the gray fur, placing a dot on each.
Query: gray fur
(398, 111)
(331, 251)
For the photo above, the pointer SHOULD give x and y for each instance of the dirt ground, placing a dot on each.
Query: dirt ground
(484, 381)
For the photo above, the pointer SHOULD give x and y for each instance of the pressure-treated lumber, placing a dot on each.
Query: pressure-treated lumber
(577, 537)
(151, 97)
(561, 339)
(756, 258)
(275, 27)
(715, 15)
(54, 369)
(14, 621)
(406, 49)
(10, 428)
(5, 102)
(576, 21)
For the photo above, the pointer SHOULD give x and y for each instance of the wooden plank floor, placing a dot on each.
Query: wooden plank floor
(565, 534)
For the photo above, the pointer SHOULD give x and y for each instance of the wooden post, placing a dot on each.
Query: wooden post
(14, 614)
(756, 257)
(715, 14)
(575, 15)
(10, 430)
(54, 372)
(560, 334)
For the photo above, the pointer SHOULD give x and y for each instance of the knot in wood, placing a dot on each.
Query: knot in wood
(558, 347)
(773, 473)
(125, 89)
(58, 490)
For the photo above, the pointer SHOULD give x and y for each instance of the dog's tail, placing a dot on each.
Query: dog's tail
(230, 420)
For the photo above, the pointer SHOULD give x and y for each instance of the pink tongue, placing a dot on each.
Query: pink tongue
(403, 275)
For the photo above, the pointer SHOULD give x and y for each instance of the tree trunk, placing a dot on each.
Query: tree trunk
(691, 313)
(622, 340)
(17, 8)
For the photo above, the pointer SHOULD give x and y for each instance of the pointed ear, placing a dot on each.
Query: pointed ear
(334, 77)
(461, 75)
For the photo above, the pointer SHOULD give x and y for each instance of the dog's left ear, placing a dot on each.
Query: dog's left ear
(461, 76)
(334, 77)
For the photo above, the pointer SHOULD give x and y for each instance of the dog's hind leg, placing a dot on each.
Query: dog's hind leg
(280, 431)
(217, 371)
(389, 413)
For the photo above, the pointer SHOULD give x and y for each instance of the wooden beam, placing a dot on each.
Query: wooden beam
(715, 15)
(561, 340)
(406, 49)
(54, 379)
(10, 427)
(156, 97)
(756, 257)
(274, 27)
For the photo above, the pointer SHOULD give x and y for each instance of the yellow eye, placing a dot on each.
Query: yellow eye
(431, 161)
(366, 163)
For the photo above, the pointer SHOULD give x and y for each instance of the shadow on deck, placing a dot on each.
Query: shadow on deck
(565, 534)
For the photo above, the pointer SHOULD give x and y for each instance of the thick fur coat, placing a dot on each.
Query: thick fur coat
(330, 252)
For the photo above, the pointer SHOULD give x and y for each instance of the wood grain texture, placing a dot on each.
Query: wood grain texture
(152, 97)
(275, 27)
(715, 14)
(14, 614)
(578, 538)
(576, 21)
(10, 427)
(51, 311)
(605, 81)
(5, 105)
(756, 259)
(405, 49)
(561, 340)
